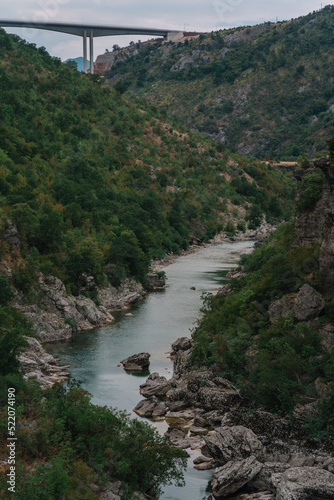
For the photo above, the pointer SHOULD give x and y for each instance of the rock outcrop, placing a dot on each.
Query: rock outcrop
(11, 236)
(304, 483)
(155, 386)
(36, 362)
(123, 297)
(250, 450)
(155, 281)
(58, 314)
(307, 304)
(232, 476)
(234, 443)
(151, 408)
(316, 225)
(137, 362)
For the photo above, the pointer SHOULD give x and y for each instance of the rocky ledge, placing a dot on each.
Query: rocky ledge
(58, 314)
(256, 453)
(36, 362)
(137, 362)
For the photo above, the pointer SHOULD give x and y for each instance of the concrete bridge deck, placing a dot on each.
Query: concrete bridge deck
(88, 31)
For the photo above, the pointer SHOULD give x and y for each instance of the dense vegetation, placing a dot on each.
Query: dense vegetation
(98, 186)
(266, 90)
(275, 364)
(68, 447)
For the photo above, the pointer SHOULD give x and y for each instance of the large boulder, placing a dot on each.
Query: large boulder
(304, 483)
(137, 362)
(263, 481)
(305, 305)
(213, 398)
(150, 408)
(155, 386)
(178, 437)
(155, 281)
(182, 344)
(182, 362)
(233, 475)
(308, 303)
(234, 443)
(179, 393)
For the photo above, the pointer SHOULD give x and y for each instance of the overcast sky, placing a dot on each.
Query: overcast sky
(191, 15)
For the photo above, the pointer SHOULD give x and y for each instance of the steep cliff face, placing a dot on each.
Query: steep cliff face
(315, 219)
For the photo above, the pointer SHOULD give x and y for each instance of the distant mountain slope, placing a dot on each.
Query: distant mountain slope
(265, 91)
(98, 185)
(80, 62)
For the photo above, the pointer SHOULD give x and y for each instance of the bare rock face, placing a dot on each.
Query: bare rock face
(155, 386)
(137, 362)
(179, 395)
(308, 303)
(182, 362)
(36, 362)
(327, 333)
(49, 326)
(182, 344)
(263, 480)
(58, 313)
(212, 398)
(150, 408)
(234, 443)
(310, 223)
(81, 310)
(11, 236)
(121, 298)
(304, 483)
(155, 282)
(233, 475)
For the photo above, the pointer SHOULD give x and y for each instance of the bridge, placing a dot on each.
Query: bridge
(88, 31)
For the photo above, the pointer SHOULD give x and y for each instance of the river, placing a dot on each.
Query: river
(158, 320)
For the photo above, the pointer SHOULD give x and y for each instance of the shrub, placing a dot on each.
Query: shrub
(310, 189)
(6, 293)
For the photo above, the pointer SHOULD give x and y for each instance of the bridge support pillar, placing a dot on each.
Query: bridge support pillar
(172, 34)
(91, 52)
(85, 51)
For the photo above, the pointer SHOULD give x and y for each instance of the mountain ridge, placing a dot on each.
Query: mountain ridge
(265, 90)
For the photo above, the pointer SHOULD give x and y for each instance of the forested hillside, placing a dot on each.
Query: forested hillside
(98, 185)
(271, 331)
(265, 91)
(95, 185)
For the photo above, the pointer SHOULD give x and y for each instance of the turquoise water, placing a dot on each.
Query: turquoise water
(156, 322)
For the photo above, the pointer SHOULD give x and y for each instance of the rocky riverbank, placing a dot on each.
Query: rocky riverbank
(259, 234)
(56, 315)
(36, 362)
(262, 455)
